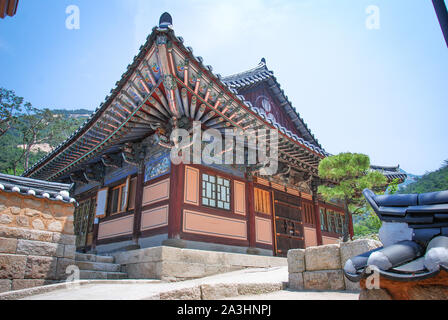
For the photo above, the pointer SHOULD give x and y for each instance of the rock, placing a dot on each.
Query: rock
(22, 221)
(55, 226)
(38, 224)
(182, 294)
(5, 219)
(40, 267)
(8, 245)
(374, 294)
(5, 285)
(31, 212)
(296, 281)
(354, 248)
(428, 293)
(325, 257)
(12, 266)
(296, 260)
(218, 291)
(15, 210)
(324, 280)
(36, 248)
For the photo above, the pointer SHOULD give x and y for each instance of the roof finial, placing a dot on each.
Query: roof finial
(165, 21)
(263, 61)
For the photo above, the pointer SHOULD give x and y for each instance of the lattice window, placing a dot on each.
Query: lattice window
(308, 209)
(323, 224)
(223, 193)
(208, 190)
(215, 192)
(262, 201)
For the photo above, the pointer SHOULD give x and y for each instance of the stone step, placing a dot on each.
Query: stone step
(98, 275)
(98, 266)
(93, 258)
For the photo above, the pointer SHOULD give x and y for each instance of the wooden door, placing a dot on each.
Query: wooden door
(84, 216)
(288, 223)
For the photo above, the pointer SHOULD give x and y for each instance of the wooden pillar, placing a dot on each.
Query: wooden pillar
(350, 226)
(176, 199)
(317, 213)
(138, 202)
(250, 213)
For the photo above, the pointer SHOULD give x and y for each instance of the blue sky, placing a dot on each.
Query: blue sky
(382, 92)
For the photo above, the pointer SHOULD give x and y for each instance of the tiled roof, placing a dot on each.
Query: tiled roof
(259, 74)
(8, 7)
(36, 188)
(79, 147)
(390, 172)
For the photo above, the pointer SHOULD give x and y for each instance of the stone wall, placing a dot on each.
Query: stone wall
(175, 264)
(37, 241)
(320, 268)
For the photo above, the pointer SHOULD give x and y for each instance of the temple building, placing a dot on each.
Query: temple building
(131, 195)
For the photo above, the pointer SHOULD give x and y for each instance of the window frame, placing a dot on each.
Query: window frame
(215, 183)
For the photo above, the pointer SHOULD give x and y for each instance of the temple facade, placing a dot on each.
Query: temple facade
(130, 193)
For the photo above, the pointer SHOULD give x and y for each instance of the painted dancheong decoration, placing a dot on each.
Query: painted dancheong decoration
(130, 194)
(414, 234)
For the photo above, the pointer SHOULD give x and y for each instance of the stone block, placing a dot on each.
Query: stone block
(8, 245)
(323, 280)
(36, 248)
(105, 259)
(64, 238)
(258, 288)
(5, 285)
(12, 266)
(15, 210)
(69, 251)
(351, 286)
(22, 221)
(354, 248)
(55, 226)
(40, 267)
(374, 294)
(295, 281)
(26, 234)
(296, 260)
(62, 265)
(325, 257)
(5, 219)
(182, 294)
(182, 270)
(98, 266)
(69, 227)
(145, 270)
(19, 284)
(38, 224)
(201, 256)
(218, 291)
(31, 212)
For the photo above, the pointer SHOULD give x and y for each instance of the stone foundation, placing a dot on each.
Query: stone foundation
(176, 264)
(36, 241)
(320, 268)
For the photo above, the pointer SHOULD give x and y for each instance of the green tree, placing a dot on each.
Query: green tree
(10, 107)
(349, 174)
